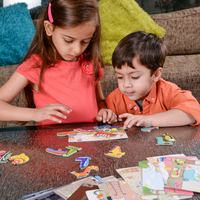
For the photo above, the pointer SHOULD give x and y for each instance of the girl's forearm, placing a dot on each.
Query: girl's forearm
(174, 117)
(9, 112)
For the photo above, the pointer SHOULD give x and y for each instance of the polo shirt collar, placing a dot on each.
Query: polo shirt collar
(152, 95)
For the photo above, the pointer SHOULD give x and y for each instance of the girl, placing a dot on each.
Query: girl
(61, 70)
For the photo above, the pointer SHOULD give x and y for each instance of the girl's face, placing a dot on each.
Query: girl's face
(70, 43)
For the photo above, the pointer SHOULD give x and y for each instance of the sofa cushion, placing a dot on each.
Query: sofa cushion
(118, 19)
(183, 30)
(16, 33)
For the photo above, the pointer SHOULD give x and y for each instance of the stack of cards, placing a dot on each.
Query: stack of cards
(169, 177)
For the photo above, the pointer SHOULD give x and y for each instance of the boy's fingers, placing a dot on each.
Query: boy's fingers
(125, 115)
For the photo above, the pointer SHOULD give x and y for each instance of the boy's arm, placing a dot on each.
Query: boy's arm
(174, 117)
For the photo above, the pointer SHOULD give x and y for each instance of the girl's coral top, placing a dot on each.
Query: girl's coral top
(68, 83)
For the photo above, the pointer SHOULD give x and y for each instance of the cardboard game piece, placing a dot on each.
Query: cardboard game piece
(84, 161)
(80, 193)
(19, 159)
(168, 137)
(85, 172)
(64, 134)
(2, 152)
(161, 142)
(99, 128)
(80, 130)
(149, 129)
(58, 152)
(98, 133)
(121, 190)
(104, 134)
(72, 151)
(66, 191)
(5, 157)
(185, 174)
(94, 195)
(115, 152)
(132, 177)
(151, 179)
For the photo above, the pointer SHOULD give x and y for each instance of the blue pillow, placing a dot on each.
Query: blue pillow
(16, 33)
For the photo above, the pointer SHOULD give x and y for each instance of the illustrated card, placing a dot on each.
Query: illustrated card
(94, 195)
(151, 178)
(121, 190)
(132, 176)
(164, 163)
(185, 174)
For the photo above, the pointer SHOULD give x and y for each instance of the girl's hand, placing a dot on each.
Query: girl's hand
(106, 115)
(48, 112)
(138, 120)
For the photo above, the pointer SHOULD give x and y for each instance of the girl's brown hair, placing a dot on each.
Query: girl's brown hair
(66, 14)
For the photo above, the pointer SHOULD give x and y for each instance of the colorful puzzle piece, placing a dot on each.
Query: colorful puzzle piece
(4, 158)
(2, 152)
(149, 129)
(104, 134)
(80, 130)
(19, 159)
(161, 142)
(99, 128)
(64, 134)
(84, 161)
(85, 172)
(168, 137)
(72, 151)
(115, 152)
(58, 152)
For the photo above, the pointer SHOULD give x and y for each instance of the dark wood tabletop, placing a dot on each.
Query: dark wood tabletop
(45, 170)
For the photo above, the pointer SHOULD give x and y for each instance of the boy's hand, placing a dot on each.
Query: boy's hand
(106, 115)
(137, 120)
(48, 112)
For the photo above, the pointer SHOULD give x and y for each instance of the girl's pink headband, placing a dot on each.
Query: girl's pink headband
(50, 14)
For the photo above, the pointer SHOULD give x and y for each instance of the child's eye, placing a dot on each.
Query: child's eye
(69, 41)
(84, 42)
(119, 77)
(135, 77)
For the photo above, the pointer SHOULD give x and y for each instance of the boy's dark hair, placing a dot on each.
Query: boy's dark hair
(150, 50)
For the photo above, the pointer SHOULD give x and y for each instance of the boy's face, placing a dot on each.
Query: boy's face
(136, 83)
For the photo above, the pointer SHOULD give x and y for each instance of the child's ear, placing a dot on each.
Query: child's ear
(157, 74)
(49, 27)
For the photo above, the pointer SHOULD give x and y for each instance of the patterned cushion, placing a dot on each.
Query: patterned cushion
(183, 30)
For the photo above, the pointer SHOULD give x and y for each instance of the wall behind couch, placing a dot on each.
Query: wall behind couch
(150, 6)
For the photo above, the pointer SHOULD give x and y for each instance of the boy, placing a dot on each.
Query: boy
(142, 96)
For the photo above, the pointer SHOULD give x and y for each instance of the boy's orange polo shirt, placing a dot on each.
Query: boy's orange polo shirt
(163, 96)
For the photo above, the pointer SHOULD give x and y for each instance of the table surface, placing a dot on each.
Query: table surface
(45, 170)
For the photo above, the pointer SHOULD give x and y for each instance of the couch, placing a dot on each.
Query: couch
(182, 39)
